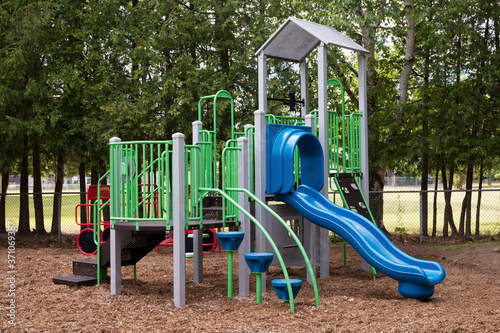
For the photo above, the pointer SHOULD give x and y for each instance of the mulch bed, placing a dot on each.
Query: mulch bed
(350, 301)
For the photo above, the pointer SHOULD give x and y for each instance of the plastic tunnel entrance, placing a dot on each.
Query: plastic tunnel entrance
(281, 143)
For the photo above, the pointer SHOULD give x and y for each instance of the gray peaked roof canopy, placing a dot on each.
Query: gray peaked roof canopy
(296, 38)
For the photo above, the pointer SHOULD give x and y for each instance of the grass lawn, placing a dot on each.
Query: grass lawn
(68, 204)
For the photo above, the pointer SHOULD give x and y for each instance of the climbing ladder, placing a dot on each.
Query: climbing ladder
(352, 197)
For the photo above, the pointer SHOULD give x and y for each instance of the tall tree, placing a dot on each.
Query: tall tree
(24, 74)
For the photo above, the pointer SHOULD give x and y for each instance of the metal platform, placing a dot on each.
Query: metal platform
(75, 280)
(161, 225)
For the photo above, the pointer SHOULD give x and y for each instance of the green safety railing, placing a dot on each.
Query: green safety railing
(250, 135)
(344, 137)
(230, 170)
(144, 183)
(230, 177)
(194, 165)
(206, 146)
(268, 237)
(353, 154)
(221, 94)
(284, 120)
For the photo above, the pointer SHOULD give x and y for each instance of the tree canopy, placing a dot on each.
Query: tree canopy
(75, 73)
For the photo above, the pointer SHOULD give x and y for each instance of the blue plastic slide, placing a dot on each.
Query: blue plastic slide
(416, 277)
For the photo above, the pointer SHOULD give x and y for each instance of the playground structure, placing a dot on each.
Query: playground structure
(295, 160)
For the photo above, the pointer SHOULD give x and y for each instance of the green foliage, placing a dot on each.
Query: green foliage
(75, 73)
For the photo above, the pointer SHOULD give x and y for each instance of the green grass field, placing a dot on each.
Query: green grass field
(68, 204)
(401, 211)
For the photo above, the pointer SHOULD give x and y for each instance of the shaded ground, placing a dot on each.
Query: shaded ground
(468, 300)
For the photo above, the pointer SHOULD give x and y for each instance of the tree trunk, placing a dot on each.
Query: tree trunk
(94, 176)
(445, 187)
(425, 151)
(461, 226)
(24, 212)
(3, 199)
(468, 195)
(434, 206)
(448, 210)
(425, 195)
(83, 194)
(409, 58)
(377, 180)
(37, 191)
(479, 194)
(56, 211)
(451, 220)
(465, 215)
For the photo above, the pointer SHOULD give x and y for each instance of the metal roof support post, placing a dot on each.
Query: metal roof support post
(262, 73)
(115, 235)
(179, 204)
(261, 243)
(363, 109)
(364, 125)
(311, 230)
(304, 87)
(323, 255)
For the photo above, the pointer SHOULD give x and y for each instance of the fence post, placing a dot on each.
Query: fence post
(59, 218)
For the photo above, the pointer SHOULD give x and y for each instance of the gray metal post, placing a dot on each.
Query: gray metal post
(245, 247)
(324, 246)
(363, 109)
(261, 244)
(262, 74)
(304, 87)
(115, 235)
(197, 234)
(311, 229)
(179, 219)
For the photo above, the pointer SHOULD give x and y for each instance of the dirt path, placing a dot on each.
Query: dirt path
(350, 301)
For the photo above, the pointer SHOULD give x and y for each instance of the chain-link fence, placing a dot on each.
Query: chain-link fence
(64, 222)
(401, 211)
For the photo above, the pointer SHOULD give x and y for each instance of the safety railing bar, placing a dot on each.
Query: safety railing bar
(268, 237)
(290, 231)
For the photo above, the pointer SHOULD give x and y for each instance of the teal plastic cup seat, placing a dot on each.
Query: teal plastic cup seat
(259, 262)
(281, 289)
(230, 240)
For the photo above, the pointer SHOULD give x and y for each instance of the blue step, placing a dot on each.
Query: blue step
(230, 240)
(259, 262)
(281, 289)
